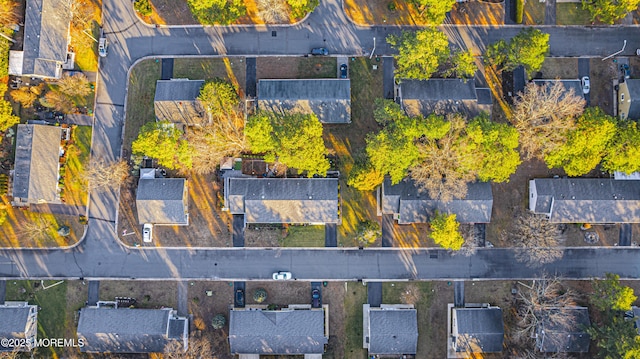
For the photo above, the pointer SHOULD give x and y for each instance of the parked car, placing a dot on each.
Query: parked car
(315, 298)
(281, 275)
(626, 72)
(147, 232)
(319, 51)
(240, 297)
(102, 47)
(343, 71)
(586, 85)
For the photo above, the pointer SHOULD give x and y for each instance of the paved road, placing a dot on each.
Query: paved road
(100, 255)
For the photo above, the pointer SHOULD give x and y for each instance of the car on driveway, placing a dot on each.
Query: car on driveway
(586, 85)
(315, 298)
(102, 47)
(320, 51)
(147, 233)
(343, 71)
(281, 275)
(239, 297)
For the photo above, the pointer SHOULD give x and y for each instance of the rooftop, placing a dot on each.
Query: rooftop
(568, 336)
(177, 101)
(393, 331)
(422, 97)
(162, 201)
(479, 330)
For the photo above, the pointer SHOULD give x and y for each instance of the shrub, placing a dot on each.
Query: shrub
(260, 295)
(519, 11)
(143, 7)
(391, 6)
(218, 321)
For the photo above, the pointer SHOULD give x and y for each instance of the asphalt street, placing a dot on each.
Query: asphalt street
(101, 256)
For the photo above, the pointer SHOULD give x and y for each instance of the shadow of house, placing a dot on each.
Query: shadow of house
(443, 96)
(177, 101)
(566, 335)
(163, 201)
(585, 200)
(408, 204)
(37, 165)
(328, 99)
(124, 330)
(46, 40)
(474, 330)
(296, 330)
(629, 99)
(19, 321)
(390, 330)
(283, 200)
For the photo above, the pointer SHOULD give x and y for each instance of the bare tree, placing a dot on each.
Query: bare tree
(273, 11)
(223, 137)
(37, 229)
(76, 85)
(105, 175)
(199, 347)
(81, 12)
(538, 239)
(470, 246)
(8, 12)
(546, 302)
(543, 115)
(442, 172)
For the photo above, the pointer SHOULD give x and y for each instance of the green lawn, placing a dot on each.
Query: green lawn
(355, 297)
(572, 14)
(78, 153)
(142, 89)
(304, 236)
(53, 307)
(232, 69)
(317, 67)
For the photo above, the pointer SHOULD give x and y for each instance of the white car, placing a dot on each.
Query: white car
(281, 275)
(147, 232)
(586, 85)
(102, 47)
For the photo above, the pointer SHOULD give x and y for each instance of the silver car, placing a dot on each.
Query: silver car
(102, 47)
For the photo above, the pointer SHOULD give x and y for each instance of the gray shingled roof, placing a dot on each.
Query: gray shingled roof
(284, 200)
(162, 201)
(414, 206)
(14, 321)
(586, 200)
(480, 330)
(634, 91)
(576, 85)
(46, 37)
(126, 330)
(393, 331)
(328, 99)
(176, 101)
(36, 166)
(277, 332)
(422, 97)
(570, 337)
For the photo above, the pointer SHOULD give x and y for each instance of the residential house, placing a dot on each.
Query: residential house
(390, 330)
(124, 330)
(162, 200)
(474, 330)
(283, 200)
(37, 164)
(409, 204)
(442, 96)
(177, 101)
(629, 99)
(586, 200)
(328, 99)
(563, 336)
(19, 321)
(574, 85)
(46, 40)
(296, 330)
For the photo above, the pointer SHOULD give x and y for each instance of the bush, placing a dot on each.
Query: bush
(260, 295)
(5, 45)
(143, 7)
(519, 11)
(218, 321)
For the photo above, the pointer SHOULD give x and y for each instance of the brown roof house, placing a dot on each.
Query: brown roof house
(106, 329)
(408, 204)
(442, 96)
(390, 330)
(162, 200)
(295, 330)
(19, 321)
(328, 99)
(474, 330)
(177, 101)
(283, 200)
(586, 200)
(46, 40)
(37, 165)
